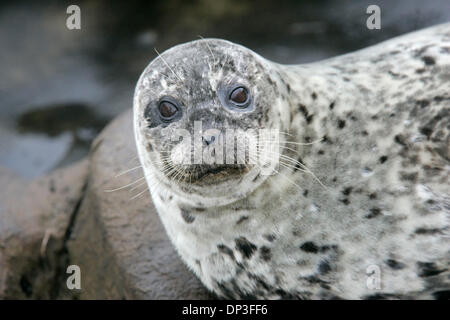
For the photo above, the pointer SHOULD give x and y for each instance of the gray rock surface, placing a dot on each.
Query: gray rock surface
(35, 217)
(118, 242)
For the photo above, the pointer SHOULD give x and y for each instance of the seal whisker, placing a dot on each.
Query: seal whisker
(209, 48)
(291, 166)
(168, 66)
(135, 187)
(126, 171)
(139, 194)
(280, 173)
(287, 158)
(126, 186)
(223, 64)
(296, 143)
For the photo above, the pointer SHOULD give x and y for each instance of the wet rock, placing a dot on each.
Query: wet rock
(34, 219)
(72, 217)
(118, 241)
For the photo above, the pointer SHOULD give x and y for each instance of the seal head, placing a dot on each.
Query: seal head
(188, 102)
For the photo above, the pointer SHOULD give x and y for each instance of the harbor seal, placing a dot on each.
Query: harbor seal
(358, 204)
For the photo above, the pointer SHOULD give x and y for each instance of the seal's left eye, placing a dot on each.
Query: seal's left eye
(168, 110)
(239, 95)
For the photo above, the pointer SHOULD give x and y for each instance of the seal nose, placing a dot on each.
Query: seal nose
(208, 140)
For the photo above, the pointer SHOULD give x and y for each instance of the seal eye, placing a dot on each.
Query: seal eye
(239, 96)
(168, 110)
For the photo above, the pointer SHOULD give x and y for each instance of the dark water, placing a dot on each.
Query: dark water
(59, 87)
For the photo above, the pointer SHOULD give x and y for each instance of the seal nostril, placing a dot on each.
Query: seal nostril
(208, 141)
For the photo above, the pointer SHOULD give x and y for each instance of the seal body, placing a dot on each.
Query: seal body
(359, 206)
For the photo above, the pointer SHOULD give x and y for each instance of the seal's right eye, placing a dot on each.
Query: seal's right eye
(239, 95)
(167, 110)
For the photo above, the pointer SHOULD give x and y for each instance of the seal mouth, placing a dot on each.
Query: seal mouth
(212, 174)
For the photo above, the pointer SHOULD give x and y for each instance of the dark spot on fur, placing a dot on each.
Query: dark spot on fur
(383, 159)
(314, 95)
(421, 70)
(299, 164)
(309, 118)
(288, 88)
(224, 249)
(427, 231)
(364, 133)
(285, 295)
(428, 269)
(374, 212)
(242, 219)
(400, 139)
(305, 193)
(314, 279)
(269, 237)
(426, 131)
(394, 74)
(334, 179)
(199, 209)
(265, 253)
(372, 196)
(324, 267)
(341, 123)
(309, 247)
(245, 247)
(332, 105)
(382, 296)
(394, 264)
(325, 248)
(226, 292)
(440, 98)
(347, 191)
(321, 152)
(408, 176)
(431, 171)
(423, 103)
(429, 61)
(302, 109)
(442, 295)
(149, 147)
(296, 233)
(345, 201)
(187, 217)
